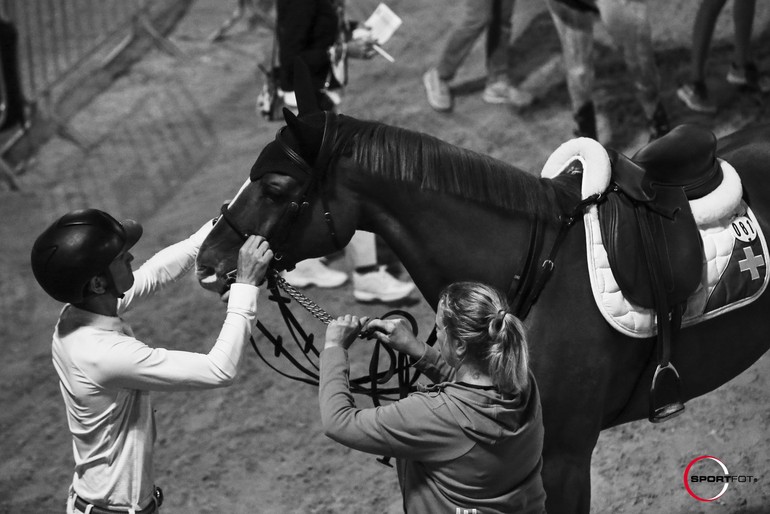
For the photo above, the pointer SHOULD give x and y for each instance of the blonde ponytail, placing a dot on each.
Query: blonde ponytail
(508, 353)
(478, 315)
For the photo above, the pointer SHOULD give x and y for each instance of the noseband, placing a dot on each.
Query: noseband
(279, 233)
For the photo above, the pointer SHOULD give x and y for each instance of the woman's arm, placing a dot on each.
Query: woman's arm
(409, 428)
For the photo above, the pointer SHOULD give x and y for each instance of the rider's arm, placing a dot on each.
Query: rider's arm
(129, 363)
(164, 267)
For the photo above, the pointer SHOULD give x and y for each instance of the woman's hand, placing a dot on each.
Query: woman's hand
(397, 333)
(344, 330)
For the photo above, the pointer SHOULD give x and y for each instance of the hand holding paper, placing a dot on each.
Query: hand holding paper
(382, 24)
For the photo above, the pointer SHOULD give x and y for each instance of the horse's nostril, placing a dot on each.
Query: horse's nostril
(206, 274)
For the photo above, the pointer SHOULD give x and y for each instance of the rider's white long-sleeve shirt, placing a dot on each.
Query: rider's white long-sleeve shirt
(106, 374)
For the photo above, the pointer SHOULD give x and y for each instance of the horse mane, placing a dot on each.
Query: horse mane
(435, 165)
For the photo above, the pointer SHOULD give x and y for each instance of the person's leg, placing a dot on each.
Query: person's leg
(702, 33)
(629, 27)
(458, 46)
(628, 24)
(575, 30)
(460, 43)
(371, 281)
(695, 93)
(498, 39)
(743, 24)
(362, 250)
(743, 71)
(499, 89)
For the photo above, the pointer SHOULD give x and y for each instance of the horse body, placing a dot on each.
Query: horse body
(590, 376)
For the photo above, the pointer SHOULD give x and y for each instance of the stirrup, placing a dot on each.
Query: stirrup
(659, 411)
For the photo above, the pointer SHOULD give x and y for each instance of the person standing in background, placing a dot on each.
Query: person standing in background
(318, 32)
(743, 71)
(494, 17)
(629, 27)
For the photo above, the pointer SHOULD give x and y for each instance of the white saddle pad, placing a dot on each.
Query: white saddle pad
(735, 268)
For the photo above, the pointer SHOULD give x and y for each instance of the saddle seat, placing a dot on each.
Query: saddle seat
(648, 228)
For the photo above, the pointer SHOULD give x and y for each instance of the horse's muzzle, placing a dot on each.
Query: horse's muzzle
(210, 280)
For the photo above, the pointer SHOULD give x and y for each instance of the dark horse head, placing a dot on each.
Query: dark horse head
(288, 198)
(318, 182)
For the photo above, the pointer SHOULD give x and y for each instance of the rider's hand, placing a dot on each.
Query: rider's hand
(397, 333)
(344, 330)
(253, 259)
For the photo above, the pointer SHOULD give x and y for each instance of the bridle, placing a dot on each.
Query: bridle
(278, 233)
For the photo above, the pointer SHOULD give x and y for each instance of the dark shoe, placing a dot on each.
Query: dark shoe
(658, 124)
(696, 97)
(585, 121)
(748, 78)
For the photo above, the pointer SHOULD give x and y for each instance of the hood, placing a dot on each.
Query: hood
(496, 415)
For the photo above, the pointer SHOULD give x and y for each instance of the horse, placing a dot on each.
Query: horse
(452, 214)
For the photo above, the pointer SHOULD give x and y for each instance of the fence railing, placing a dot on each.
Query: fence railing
(59, 41)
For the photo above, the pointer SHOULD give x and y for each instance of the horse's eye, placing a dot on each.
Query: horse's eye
(273, 193)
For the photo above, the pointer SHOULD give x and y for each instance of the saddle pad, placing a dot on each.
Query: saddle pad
(735, 274)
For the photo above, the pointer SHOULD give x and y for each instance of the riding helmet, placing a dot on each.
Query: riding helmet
(78, 246)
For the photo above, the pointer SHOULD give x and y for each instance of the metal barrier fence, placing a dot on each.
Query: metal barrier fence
(59, 39)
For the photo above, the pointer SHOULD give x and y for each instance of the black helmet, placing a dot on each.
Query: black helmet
(77, 247)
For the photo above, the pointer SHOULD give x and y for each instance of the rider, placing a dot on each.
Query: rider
(471, 442)
(83, 259)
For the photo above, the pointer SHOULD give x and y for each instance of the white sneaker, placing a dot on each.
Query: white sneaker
(312, 272)
(501, 92)
(379, 286)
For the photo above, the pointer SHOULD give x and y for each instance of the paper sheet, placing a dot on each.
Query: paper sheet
(383, 22)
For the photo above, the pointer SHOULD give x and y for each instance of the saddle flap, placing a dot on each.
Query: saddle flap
(678, 248)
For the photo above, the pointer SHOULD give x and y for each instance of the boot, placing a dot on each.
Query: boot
(658, 123)
(585, 121)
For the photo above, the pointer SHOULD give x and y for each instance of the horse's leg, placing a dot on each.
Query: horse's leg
(568, 484)
(567, 471)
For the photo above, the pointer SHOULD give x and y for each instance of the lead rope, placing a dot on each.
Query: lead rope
(306, 344)
(405, 381)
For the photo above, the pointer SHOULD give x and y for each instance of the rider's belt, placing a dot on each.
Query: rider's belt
(151, 507)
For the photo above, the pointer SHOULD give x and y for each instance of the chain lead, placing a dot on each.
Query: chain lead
(309, 305)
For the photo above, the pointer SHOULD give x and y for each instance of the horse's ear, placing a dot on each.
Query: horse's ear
(307, 102)
(307, 137)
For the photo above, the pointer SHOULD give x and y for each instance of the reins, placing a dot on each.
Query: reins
(398, 364)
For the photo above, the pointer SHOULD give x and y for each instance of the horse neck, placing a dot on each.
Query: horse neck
(442, 238)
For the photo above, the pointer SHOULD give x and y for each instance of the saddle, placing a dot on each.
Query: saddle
(651, 237)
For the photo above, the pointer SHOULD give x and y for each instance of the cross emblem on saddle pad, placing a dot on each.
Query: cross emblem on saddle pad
(751, 262)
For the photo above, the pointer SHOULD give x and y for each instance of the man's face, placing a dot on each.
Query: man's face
(122, 274)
